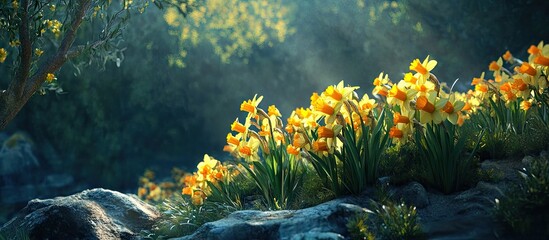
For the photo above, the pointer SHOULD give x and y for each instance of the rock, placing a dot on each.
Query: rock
(527, 160)
(16, 156)
(91, 214)
(324, 221)
(384, 180)
(413, 194)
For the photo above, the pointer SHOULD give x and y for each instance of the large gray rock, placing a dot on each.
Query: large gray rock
(91, 214)
(324, 221)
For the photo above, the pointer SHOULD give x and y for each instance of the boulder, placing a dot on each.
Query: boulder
(412, 194)
(324, 221)
(91, 214)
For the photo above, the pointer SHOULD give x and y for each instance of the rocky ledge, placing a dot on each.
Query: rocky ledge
(91, 214)
(106, 214)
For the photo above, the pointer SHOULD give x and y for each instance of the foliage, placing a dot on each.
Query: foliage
(441, 150)
(276, 172)
(232, 28)
(398, 221)
(362, 147)
(399, 162)
(525, 207)
(181, 217)
(312, 191)
(387, 220)
(358, 227)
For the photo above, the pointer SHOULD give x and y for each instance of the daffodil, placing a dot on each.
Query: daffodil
(521, 88)
(381, 83)
(366, 104)
(206, 166)
(290, 149)
(339, 92)
(273, 111)
(249, 150)
(527, 69)
(423, 68)
(398, 95)
(250, 106)
(321, 105)
(429, 108)
(496, 66)
(239, 127)
(526, 104)
(508, 56)
(451, 109)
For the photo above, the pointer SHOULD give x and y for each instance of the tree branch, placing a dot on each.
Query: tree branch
(55, 62)
(17, 85)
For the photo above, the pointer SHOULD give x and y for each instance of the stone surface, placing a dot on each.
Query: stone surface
(16, 156)
(527, 160)
(91, 214)
(324, 221)
(413, 194)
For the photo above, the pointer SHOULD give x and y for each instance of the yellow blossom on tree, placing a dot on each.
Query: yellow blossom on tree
(3, 55)
(38, 52)
(50, 77)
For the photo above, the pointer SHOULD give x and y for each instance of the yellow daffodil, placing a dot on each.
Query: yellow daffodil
(273, 111)
(381, 84)
(399, 95)
(239, 127)
(249, 150)
(508, 56)
(366, 104)
(339, 92)
(429, 108)
(207, 165)
(250, 106)
(451, 109)
(496, 66)
(290, 149)
(527, 69)
(323, 106)
(526, 104)
(423, 68)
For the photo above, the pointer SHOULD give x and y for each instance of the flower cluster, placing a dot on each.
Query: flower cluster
(317, 128)
(522, 82)
(209, 170)
(343, 135)
(259, 127)
(151, 191)
(53, 25)
(419, 99)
